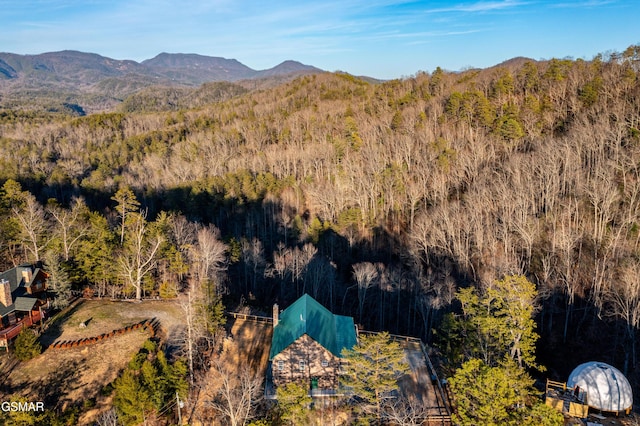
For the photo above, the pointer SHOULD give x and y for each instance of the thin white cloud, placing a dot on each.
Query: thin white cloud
(482, 6)
(489, 6)
(338, 32)
(584, 4)
(420, 36)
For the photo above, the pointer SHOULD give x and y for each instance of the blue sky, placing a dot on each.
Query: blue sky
(379, 38)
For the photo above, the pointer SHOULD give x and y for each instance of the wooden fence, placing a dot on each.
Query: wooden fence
(445, 401)
(150, 325)
(396, 337)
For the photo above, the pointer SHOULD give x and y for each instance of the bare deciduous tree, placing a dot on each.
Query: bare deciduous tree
(138, 255)
(209, 253)
(405, 411)
(564, 242)
(320, 279)
(253, 257)
(237, 393)
(193, 330)
(108, 418)
(33, 226)
(71, 225)
(624, 298)
(365, 274)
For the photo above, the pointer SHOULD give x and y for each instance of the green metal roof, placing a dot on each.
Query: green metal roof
(307, 316)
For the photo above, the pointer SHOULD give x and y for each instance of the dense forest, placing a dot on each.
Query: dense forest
(381, 200)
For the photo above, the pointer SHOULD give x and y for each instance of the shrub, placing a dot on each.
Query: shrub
(26, 345)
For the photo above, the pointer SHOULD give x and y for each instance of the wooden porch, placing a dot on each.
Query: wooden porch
(9, 333)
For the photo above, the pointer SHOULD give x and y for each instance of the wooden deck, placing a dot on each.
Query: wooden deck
(9, 333)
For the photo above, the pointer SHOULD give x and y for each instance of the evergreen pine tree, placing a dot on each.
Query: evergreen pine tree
(293, 404)
(373, 368)
(26, 345)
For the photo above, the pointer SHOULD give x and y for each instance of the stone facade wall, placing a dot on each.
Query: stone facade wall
(304, 360)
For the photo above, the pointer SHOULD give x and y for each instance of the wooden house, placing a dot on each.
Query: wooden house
(307, 343)
(22, 294)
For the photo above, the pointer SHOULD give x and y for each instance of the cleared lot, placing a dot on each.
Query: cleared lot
(63, 377)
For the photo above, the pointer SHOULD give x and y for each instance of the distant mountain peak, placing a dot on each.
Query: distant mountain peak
(514, 62)
(70, 73)
(213, 68)
(72, 69)
(289, 67)
(190, 60)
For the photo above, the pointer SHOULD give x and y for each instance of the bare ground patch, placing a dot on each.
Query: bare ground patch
(103, 316)
(252, 345)
(71, 376)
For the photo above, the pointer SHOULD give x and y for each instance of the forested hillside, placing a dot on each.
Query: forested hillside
(380, 200)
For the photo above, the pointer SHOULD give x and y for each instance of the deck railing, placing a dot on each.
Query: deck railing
(255, 318)
(12, 331)
(396, 337)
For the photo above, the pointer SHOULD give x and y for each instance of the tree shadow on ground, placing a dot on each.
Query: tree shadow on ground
(52, 388)
(175, 341)
(252, 342)
(54, 330)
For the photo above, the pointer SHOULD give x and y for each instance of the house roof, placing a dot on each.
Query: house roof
(16, 281)
(19, 294)
(25, 303)
(5, 310)
(307, 316)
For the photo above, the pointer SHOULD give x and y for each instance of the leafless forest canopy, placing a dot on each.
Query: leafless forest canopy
(380, 200)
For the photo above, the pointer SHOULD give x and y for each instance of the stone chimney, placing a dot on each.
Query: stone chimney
(5, 293)
(276, 313)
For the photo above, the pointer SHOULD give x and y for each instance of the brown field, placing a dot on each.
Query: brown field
(103, 316)
(62, 377)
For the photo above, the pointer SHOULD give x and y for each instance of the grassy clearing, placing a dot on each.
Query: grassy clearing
(103, 316)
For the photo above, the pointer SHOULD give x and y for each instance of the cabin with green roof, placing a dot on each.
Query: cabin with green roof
(307, 344)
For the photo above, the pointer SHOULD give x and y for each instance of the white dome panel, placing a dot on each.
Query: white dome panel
(607, 388)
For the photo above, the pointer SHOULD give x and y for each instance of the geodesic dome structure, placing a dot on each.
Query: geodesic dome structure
(607, 388)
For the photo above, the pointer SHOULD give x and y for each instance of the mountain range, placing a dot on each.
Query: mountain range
(92, 78)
